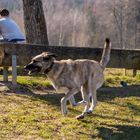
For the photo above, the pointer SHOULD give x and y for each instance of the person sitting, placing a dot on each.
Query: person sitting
(9, 30)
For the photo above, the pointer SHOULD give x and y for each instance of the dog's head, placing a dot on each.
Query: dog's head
(40, 63)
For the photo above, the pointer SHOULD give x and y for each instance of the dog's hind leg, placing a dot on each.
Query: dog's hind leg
(65, 98)
(93, 101)
(83, 102)
(96, 85)
(86, 100)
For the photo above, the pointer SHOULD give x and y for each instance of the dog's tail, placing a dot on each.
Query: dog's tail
(106, 53)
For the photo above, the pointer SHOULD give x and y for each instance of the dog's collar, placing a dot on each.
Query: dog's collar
(49, 69)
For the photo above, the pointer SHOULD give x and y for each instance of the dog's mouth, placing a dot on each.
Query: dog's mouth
(32, 70)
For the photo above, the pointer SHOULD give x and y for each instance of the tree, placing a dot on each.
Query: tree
(137, 14)
(119, 15)
(34, 20)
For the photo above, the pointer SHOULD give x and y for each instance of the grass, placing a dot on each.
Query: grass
(116, 117)
(114, 76)
(34, 82)
(37, 116)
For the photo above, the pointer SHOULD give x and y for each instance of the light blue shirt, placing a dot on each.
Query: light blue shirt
(9, 29)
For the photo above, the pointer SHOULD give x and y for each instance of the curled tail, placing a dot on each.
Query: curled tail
(106, 53)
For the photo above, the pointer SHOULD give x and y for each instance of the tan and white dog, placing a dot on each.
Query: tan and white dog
(74, 75)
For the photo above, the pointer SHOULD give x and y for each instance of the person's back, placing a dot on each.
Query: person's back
(9, 30)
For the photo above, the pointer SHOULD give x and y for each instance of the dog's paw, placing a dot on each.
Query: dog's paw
(79, 117)
(64, 113)
(89, 112)
(74, 104)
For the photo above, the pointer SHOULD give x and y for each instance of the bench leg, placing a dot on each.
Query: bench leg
(14, 70)
(5, 74)
(134, 72)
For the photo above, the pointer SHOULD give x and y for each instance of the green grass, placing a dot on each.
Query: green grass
(29, 115)
(34, 82)
(114, 76)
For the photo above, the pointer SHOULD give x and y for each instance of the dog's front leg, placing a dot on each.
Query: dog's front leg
(63, 106)
(64, 100)
(72, 101)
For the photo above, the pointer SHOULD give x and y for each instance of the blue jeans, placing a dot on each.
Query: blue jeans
(13, 40)
(16, 40)
(3, 40)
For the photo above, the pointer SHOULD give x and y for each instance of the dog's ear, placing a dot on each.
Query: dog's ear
(48, 55)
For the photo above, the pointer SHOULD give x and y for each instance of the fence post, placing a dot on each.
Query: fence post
(134, 72)
(5, 74)
(14, 70)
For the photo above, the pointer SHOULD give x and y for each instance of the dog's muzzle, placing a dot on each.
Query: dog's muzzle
(31, 68)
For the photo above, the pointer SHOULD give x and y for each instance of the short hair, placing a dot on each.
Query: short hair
(4, 12)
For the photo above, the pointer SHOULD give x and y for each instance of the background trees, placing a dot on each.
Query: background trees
(34, 21)
(125, 14)
(86, 22)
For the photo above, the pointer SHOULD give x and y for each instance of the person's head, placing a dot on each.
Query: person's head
(4, 13)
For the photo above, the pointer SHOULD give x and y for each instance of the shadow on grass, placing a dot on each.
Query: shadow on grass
(108, 94)
(131, 106)
(125, 120)
(103, 94)
(119, 132)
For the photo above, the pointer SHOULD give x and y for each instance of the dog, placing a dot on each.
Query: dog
(73, 75)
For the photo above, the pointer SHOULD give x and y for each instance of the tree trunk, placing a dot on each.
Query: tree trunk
(34, 20)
